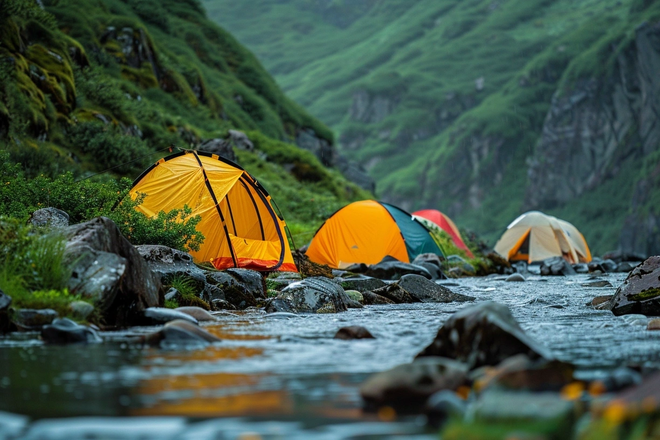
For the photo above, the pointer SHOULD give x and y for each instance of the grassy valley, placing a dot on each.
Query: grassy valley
(447, 103)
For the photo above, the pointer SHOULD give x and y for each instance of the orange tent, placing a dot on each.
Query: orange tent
(445, 224)
(366, 232)
(239, 224)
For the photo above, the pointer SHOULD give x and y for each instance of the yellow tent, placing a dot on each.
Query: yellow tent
(239, 224)
(366, 232)
(535, 236)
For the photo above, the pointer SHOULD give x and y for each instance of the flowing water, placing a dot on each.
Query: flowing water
(273, 377)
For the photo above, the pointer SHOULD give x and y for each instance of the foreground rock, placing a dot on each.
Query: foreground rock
(180, 333)
(353, 332)
(312, 295)
(640, 292)
(65, 331)
(110, 270)
(408, 386)
(483, 334)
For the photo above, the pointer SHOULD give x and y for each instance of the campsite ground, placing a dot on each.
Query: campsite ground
(285, 377)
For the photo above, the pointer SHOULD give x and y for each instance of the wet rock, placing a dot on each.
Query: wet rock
(621, 256)
(239, 297)
(521, 373)
(5, 301)
(315, 295)
(581, 268)
(373, 299)
(161, 315)
(353, 332)
(221, 304)
(428, 258)
(390, 269)
(598, 283)
(65, 331)
(81, 309)
(635, 319)
(355, 296)
(252, 281)
(180, 333)
(556, 266)
(443, 405)
(279, 280)
(640, 292)
(50, 217)
(515, 277)
(626, 266)
(361, 283)
(198, 313)
(483, 334)
(396, 294)
(170, 263)
(421, 289)
(33, 319)
(594, 267)
(600, 300)
(281, 315)
(211, 293)
(280, 305)
(653, 324)
(609, 265)
(408, 386)
(12, 425)
(172, 294)
(109, 269)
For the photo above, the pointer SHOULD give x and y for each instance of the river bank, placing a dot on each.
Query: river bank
(291, 371)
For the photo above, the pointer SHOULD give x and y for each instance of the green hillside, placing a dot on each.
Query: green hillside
(94, 85)
(449, 103)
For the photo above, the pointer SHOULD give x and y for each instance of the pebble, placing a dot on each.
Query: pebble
(653, 324)
(515, 277)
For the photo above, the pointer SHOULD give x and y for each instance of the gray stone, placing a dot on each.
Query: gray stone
(600, 300)
(197, 313)
(280, 305)
(33, 319)
(609, 265)
(81, 309)
(361, 283)
(408, 386)
(315, 295)
(50, 217)
(161, 315)
(219, 146)
(110, 269)
(483, 334)
(396, 294)
(421, 289)
(5, 301)
(394, 270)
(170, 263)
(355, 295)
(640, 292)
(65, 331)
(428, 258)
(626, 266)
(180, 333)
(212, 293)
(581, 268)
(373, 299)
(556, 266)
(515, 277)
(598, 283)
(353, 332)
(172, 294)
(252, 281)
(221, 304)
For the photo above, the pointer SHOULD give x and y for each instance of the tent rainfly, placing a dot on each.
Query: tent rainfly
(445, 224)
(535, 236)
(368, 231)
(239, 224)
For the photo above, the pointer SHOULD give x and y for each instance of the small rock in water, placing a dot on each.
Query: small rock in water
(640, 292)
(355, 295)
(635, 319)
(65, 331)
(353, 332)
(280, 305)
(281, 315)
(314, 295)
(515, 277)
(396, 293)
(374, 299)
(221, 304)
(178, 333)
(81, 309)
(161, 315)
(653, 324)
(32, 319)
(421, 289)
(197, 312)
(600, 283)
(600, 300)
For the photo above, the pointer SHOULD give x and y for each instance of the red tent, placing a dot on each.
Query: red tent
(446, 225)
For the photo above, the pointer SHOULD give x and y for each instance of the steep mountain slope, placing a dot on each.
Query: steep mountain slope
(481, 108)
(90, 85)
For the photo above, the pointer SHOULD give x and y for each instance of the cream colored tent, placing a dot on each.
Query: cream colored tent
(535, 236)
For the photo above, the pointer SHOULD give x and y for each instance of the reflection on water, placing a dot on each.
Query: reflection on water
(291, 371)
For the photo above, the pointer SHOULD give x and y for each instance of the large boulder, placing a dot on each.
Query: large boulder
(315, 295)
(421, 289)
(239, 287)
(251, 280)
(407, 387)
(556, 266)
(110, 270)
(483, 334)
(170, 263)
(361, 283)
(50, 217)
(640, 292)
